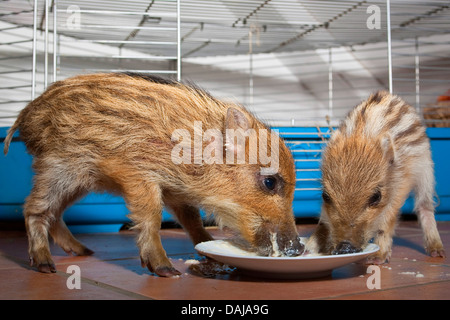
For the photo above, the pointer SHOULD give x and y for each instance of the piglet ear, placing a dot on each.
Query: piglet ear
(388, 148)
(236, 124)
(236, 120)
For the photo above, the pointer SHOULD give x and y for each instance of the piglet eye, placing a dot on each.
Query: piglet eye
(270, 183)
(326, 197)
(375, 199)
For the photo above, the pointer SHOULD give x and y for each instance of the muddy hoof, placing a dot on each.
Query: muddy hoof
(167, 272)
(47, 268)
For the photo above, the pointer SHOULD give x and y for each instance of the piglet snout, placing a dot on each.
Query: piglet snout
(290, 247)
(345, 247)
(273, 241)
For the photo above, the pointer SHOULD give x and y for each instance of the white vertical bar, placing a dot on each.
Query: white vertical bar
(250, 80)
(388, 16)
(33, 71)
(330, 82)
(417, 72)
(250, 61)
(178, 40)
(55, 37)
(46, 46)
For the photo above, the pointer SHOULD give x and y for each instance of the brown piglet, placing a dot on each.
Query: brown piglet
(157, 143)
(377, 156)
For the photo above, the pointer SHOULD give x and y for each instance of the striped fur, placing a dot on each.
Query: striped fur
(378, 155)
(113, 132)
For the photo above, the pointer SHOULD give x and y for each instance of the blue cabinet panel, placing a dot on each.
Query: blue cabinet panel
(306, 144)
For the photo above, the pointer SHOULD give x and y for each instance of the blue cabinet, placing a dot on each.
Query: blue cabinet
(306, 144)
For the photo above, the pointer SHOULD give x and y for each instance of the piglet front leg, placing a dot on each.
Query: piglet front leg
(152, 253)
(384, 237)
(145, 203)
(319, 242)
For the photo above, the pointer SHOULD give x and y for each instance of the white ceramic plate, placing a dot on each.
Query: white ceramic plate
(301, 267)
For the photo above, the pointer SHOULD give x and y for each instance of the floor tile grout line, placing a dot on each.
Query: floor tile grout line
(382, 290)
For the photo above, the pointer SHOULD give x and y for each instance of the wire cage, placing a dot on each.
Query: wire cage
(294, 63)
(298, 65)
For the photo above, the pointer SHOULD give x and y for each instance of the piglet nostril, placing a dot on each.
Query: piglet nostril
(345, 247)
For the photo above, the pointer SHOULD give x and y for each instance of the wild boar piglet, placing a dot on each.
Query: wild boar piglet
(157, 143)
(377, 156)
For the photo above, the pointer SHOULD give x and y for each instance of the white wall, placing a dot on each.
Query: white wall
(288, 88)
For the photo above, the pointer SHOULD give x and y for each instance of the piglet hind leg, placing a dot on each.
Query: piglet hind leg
(145, 203)
(64, 238)
(37, 225)
(43, 216)
(432, 239)
(424, 207)
(59, 231)
(39, 216)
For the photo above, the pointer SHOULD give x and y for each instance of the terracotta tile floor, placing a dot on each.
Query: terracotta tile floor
(114, 272)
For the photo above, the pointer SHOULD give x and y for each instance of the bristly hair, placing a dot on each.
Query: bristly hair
(170, 82)
(187, 84)
(151, 78)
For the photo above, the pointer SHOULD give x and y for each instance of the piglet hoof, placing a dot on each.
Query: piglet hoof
(438, 253)
(82, 252)
(44, 267)
(376, 260)
(167, 272)
(86, 252)
(47, 268)
(163, 271)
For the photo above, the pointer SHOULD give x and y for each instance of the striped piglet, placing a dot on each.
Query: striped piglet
(378, 155)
